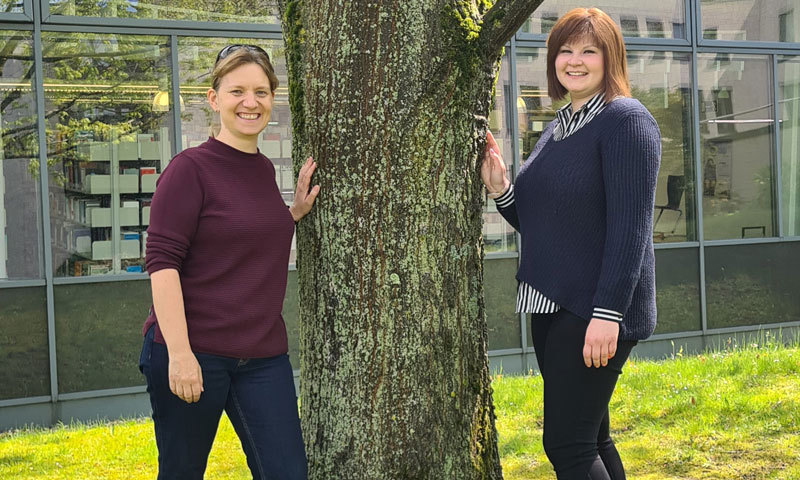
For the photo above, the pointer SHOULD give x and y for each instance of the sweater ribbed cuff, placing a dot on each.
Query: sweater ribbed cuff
(507, 198)
(606, 314)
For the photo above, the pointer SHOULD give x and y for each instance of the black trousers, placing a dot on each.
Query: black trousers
(576, 426)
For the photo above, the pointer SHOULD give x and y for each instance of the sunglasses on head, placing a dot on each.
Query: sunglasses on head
(232, 48)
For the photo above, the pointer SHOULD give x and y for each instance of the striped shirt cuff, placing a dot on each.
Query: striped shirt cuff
(506, 199)
(606, 314)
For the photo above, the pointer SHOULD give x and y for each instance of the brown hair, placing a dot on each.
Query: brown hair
(242, 56)
(597, 25)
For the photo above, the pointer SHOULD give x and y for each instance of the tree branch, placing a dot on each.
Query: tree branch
(503, 20)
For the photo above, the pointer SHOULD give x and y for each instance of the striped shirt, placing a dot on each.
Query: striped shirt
(530, 300)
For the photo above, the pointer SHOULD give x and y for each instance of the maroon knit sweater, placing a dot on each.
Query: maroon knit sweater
(218, 218)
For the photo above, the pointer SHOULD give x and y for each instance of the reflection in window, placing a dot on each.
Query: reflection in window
(661, 81)
(789, 97)
(97, 350)
(678, 290)
(20, 224)
(498, 235)
(753, 20)
(24, 353)
(655, 29)
(736, 130)
(752, 284)
(196, 58)
(652, 13)
(534, 108)
(629, 26)
(11, 6)
(232, 11)
(107, 141)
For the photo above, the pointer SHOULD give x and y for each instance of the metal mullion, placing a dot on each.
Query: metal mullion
(120, 277)
(778, 182)
(694, 24)
(505, 351)
(177, 140)
(751, 328)
(169, 25)
(44, 9)
(16, 402)
(629, 41)
(529, 44)
(749, 44)
(672, 336)
(148, 31)
(741, 241)
(675, 245)
(14, 17)
(514, 115)
(659, 48)
(6, 25)
(22, 283)
(747, 50)
(45, 204)
(688, 26)
(651, 41)
(496, 255)
(108, 392)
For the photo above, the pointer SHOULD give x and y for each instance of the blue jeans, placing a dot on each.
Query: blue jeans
(259, 398)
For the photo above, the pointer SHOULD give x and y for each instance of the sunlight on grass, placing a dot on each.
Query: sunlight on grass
(731, 414)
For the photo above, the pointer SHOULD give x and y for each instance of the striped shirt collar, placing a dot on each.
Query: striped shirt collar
(569, 122)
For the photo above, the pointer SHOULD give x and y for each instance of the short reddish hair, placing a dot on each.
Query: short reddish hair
(597, 25)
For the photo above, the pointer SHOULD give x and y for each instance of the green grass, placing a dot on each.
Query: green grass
(732, 414)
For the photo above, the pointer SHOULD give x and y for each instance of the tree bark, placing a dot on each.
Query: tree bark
(391, 99)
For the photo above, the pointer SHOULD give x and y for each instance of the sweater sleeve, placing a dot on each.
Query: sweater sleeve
(507, 207)
(174, 213)
(630, 160)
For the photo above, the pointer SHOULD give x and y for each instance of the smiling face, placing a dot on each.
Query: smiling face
(244, 102)
(579, 69)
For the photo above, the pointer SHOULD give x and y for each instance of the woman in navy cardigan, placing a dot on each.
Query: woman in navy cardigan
(583, 203)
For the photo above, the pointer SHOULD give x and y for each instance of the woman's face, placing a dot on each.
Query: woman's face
(244, 101)
(579, 68)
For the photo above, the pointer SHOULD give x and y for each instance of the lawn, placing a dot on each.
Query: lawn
(731, 414)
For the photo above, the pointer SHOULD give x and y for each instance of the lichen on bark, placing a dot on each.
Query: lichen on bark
(392, 99)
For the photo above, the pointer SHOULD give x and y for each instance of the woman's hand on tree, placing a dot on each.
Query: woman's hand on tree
(493, 168)
(303, 197)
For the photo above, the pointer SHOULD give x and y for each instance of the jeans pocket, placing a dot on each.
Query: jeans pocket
(147, 349)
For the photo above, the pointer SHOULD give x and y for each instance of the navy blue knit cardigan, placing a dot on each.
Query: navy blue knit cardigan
(584, 207)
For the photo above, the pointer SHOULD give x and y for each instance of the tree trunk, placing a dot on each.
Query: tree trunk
(391, 99)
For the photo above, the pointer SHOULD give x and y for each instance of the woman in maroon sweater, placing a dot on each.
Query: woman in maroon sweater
(217, 254)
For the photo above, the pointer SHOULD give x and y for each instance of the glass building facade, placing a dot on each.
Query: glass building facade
(97, 96)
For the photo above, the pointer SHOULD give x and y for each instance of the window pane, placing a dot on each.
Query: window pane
(534, 108)
(736, 131)
(678, 290)
(789, 91)
(650, 18)
(500, 291)
(108, 115)
(235, 11)
(661, 81)
(24, 353)
(12, 6)
(20, 220)
(752, 284)
(753, 20)
(99, 334)
(498, 235)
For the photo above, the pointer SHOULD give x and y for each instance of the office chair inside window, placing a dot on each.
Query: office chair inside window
(675, 187)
